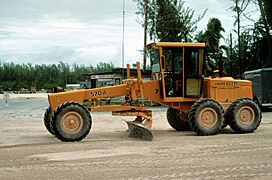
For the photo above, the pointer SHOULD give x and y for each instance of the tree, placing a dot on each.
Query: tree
(169, 20)
(268, 11)
(266, 16)
(14, 77)
(212, 37)
(260, 47)
(239, 8)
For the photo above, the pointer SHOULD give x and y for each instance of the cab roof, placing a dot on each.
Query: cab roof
(175, 44)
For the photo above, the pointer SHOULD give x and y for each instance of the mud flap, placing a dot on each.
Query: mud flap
(138, 130)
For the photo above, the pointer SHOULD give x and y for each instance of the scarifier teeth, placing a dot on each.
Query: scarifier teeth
(138, 130)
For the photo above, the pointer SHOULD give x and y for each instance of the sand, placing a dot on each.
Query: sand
(28, 151)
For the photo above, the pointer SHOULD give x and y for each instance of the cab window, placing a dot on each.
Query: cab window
(153, 55)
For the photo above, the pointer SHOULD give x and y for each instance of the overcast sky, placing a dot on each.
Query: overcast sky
(84, 31)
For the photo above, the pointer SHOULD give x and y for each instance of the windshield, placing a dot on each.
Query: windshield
(153, 55)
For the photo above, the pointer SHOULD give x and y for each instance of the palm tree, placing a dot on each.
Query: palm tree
(213, 35)
(212, 38)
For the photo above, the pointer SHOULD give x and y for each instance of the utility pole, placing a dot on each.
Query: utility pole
(145, 34)
(238, 10)
(155, 23)
(123, 41)
(231, 54)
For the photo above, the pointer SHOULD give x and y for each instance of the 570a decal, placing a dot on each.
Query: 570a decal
(98, 93)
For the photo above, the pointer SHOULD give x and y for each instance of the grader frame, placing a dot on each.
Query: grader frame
(194, 102)
(131, 88)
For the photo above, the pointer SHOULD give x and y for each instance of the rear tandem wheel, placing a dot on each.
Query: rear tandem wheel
(71, 122)
(206, 117)
(244, 116)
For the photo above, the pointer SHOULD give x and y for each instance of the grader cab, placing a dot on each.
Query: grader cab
(204, 105)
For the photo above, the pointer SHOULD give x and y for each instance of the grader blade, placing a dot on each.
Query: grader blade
(140, 127)
(137, 130)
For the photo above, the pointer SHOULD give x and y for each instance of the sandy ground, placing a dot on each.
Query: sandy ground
(28, 151)
(24, 96)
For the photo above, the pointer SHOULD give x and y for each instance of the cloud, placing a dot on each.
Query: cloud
(81, 31)
(74, 31)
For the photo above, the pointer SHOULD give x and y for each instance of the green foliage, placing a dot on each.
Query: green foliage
(255, 49)
(211, 37)
(14, 77)
(169, 20)
(268, 11)
(103, 67)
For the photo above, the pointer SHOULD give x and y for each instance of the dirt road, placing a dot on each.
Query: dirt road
(28, 151)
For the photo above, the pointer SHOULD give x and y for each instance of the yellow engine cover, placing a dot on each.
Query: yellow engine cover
(225, 90)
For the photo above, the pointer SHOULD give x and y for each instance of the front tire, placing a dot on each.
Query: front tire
(71, 122)
(206, 117)
(244, 116)
(47, 120)
(176, 121)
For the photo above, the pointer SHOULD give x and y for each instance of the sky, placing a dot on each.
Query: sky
(86, 31)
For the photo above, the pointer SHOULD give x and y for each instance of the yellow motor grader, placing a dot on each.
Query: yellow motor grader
(202, 104)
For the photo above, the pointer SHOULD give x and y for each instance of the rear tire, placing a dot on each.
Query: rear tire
(244, 116)
(176, 121)
(71, 122)
(47, 120)
(206, 117)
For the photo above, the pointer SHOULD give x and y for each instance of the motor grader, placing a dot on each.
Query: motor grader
(202, 104)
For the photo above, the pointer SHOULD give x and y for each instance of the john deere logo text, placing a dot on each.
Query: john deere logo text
(98, 93)
(227, 83)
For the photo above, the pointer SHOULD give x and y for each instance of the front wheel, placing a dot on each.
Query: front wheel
(206, 117)
(47, 120)
(244, 116)
(71, 122)
(177, 121)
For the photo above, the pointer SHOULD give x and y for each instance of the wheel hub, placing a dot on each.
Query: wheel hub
(208, 117)
(72, 122)
(246, 115)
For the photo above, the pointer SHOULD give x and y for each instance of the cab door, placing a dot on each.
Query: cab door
(193, 71)
(172, 71)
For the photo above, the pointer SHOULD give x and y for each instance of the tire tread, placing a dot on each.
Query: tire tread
(231, 116)
(55, 119)
(193, 117)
